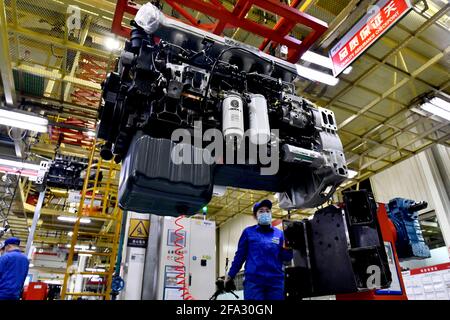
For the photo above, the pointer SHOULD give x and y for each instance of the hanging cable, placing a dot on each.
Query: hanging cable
(24, 134)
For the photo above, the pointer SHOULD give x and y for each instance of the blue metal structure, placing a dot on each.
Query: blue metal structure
(404, 215)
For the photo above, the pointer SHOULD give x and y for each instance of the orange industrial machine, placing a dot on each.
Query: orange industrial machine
(35, 291)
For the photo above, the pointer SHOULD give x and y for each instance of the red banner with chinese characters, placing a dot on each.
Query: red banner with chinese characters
(438, 267)
(379, 19)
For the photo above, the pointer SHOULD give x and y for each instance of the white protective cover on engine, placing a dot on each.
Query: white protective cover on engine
(149, 18)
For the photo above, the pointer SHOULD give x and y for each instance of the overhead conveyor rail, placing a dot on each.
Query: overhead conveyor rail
(289, 18)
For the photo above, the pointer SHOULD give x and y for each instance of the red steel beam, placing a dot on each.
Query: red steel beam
(240, 10)
(282, 26)
(236, 18)
(295, 16)
(122, 7)
(245, 24)
(183, 12)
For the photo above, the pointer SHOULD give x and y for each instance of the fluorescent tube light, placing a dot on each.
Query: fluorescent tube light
(24, 117)
(95, 269)
(23, 120)
(67, 219)
(441, 103)
(73, 219)
(318, 59)
(53, 281)
(352, 173)
(112, 44)
(322, 61)
(22, 125)
(82, 247)
(436, 110)
(315, 75)
(20, 165)
(348, 70)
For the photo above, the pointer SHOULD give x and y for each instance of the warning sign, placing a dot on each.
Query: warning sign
(138, 233)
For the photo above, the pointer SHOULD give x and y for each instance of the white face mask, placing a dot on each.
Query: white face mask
(264, 217)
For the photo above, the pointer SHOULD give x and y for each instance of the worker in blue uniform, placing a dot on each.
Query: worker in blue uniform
(14, 267)
(261, 247)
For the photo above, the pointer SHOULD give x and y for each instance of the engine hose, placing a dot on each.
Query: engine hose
(180, 268)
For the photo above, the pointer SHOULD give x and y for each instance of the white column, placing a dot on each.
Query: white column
(132, 265)
(438, 193)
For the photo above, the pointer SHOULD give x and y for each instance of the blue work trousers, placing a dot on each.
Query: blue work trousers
(258, 291)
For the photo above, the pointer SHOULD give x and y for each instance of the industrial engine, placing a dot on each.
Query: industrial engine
(172, 76)
(66, 172)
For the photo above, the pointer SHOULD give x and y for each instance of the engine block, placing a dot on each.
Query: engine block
(174, 78)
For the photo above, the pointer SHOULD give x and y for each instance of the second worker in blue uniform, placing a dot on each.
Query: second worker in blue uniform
(261, 248)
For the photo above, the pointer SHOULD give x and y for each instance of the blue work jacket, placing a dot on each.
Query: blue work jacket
(13, 271)
(262, 251)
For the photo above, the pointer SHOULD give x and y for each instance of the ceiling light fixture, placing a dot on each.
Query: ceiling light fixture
(83, 247)
(315, 75)
(57, 282)
(348, 70)
(352, 173)
(112, 44)
(318, 59)
(95, 269)
(23, 120)
(322, 61)
(73, 219)
(438, 107)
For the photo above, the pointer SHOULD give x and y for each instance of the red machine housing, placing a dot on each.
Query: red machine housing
(389, 235)
(35, 291)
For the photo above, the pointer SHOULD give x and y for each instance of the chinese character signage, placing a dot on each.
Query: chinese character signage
(428, 283)
(366, 32)
(138, 233)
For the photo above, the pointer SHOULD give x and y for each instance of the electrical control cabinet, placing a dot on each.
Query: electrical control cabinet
(195, 241)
